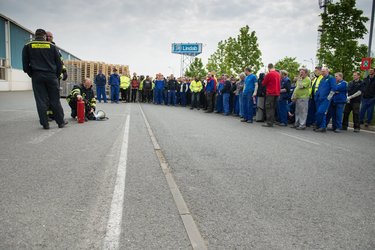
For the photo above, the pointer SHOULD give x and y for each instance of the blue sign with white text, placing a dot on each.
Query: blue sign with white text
(187, 48)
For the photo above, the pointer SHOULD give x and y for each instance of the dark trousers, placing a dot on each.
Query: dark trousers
(195, 100)
(125, 95)
(226, 97)
(219, 103)
(140, 95)
(367, 108)
(349, 107)
(147, 95)
(154, 95)
(202, 100)
(47, 94)
(282, 110)
(311, 112)
(236, 105)
(335, 112)
(178, 98)
(165, 96)
(172, 97)
(183, 98)
(271, 102)
(232, 98)
(188, 97)
(209, 101)
(134, 95)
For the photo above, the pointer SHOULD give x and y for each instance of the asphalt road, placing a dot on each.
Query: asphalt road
(246, 186)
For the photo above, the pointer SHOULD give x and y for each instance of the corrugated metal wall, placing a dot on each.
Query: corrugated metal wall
(64, 55)
(18, 38)
(2, 37)
(67, 56)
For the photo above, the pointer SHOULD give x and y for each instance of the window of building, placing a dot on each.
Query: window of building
(2, 68)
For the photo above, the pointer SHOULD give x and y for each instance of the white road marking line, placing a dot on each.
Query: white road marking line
(112, 237)
(300, 138)
(196, 239)
(338, 147)
(153, 138)
(365, 131)
(44, 136)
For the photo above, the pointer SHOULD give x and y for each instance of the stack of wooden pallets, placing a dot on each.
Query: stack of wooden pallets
(79, 70)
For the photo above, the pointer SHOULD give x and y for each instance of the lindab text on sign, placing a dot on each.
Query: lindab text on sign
(187, 48)
(190, 48)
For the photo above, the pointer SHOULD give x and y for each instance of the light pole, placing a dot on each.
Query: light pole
(322, 5)
(172, 70)
(371, 28)
(312, 63)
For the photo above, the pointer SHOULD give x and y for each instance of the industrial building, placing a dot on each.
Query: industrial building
(13, 37)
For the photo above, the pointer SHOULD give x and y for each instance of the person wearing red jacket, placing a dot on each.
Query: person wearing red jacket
(135, 87)
(272, 83)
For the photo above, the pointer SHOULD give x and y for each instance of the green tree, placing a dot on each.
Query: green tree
(234, 54)
(217, 62)
(289, 64)
(342, 26)
(196, 69)
(244, 51)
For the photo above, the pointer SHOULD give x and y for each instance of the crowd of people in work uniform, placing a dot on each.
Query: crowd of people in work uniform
(308, 100)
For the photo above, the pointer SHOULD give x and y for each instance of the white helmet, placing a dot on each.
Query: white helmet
(100, 115)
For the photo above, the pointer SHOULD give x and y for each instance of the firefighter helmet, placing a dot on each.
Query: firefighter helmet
(100, 115)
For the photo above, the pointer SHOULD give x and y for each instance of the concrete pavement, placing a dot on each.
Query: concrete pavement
(57, 185)
(247, 187)
(270, 188)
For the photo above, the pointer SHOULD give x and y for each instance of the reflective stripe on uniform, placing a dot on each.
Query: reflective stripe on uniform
(93, 102)
(75, 92)
(40, 45)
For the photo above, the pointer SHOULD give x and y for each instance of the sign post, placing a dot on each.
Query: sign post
(188, 52)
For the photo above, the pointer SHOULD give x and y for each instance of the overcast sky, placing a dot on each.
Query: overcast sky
(139, 33)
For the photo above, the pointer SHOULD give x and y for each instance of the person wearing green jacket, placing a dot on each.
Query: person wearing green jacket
(195, 88)
(125, 88)
(140, 89)
(314, 87)
(301, 97)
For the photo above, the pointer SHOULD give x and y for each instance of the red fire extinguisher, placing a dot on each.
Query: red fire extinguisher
(81, 111)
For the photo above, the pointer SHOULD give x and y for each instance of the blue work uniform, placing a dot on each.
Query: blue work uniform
(337, 105)
(100, 81)
(282, 107)
(114, 82)
(159, 87)
(247, 97)
(327, 84)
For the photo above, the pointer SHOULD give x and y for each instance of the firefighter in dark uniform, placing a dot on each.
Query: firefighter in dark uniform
(83, 92)
(41, 61)
(63, 76)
